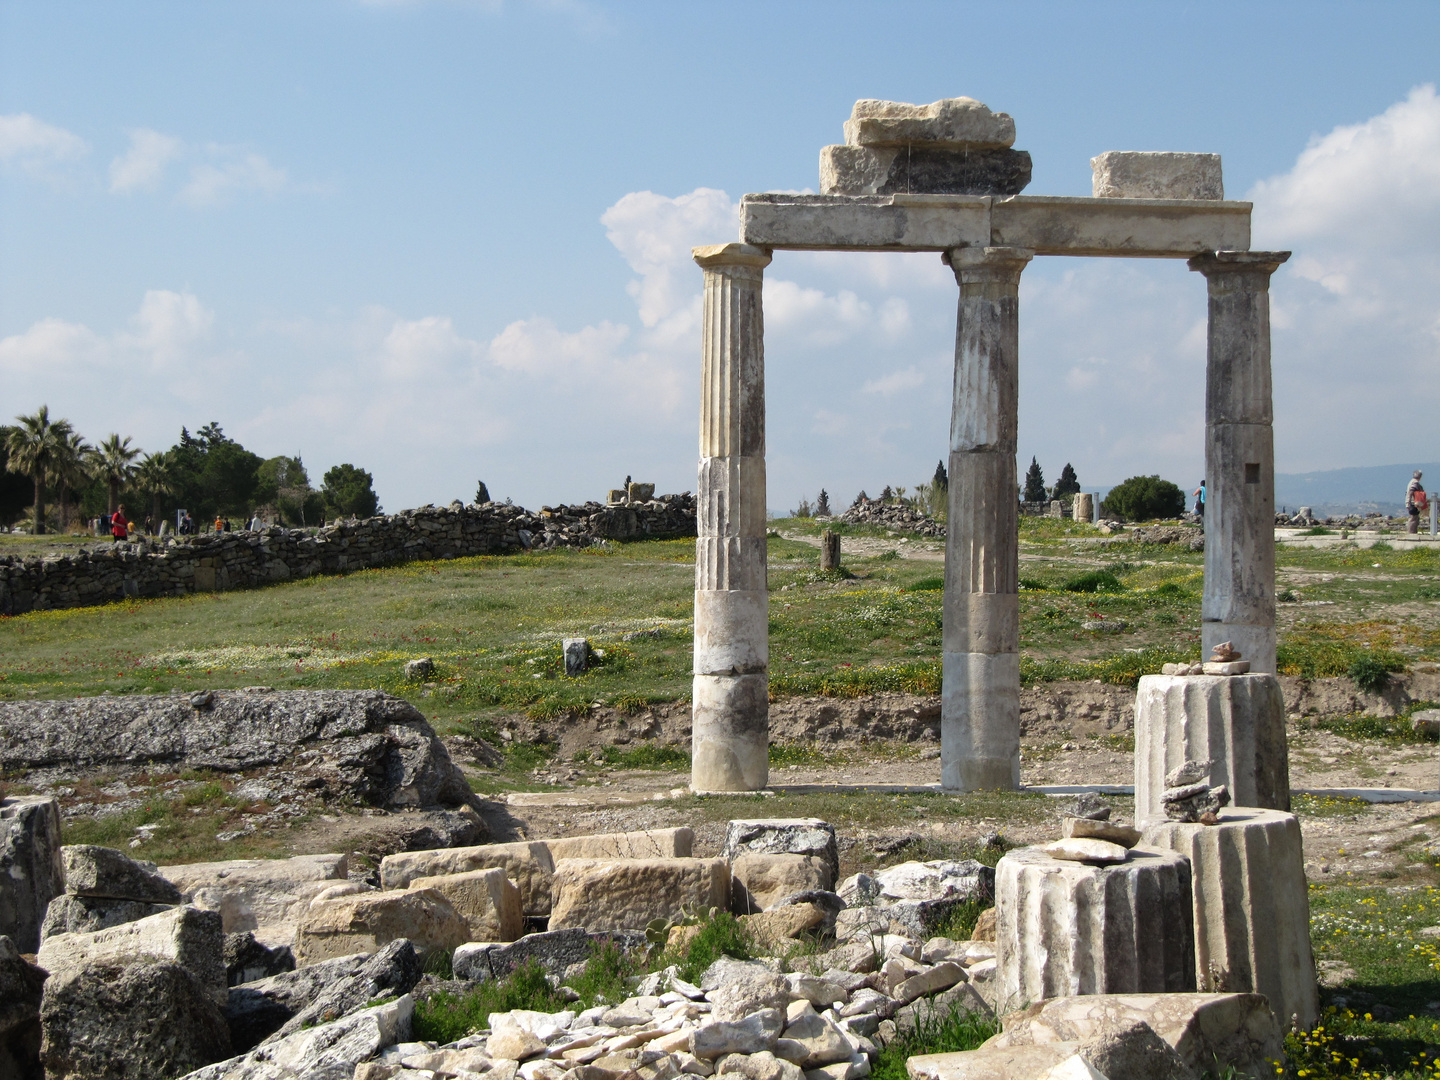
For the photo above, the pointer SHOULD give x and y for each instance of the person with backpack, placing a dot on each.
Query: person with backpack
(1199, 494)
(1415, 501)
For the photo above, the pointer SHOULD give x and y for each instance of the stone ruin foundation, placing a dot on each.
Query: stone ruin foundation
(945, 178)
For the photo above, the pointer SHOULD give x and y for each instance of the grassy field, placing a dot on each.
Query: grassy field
(1090, 608)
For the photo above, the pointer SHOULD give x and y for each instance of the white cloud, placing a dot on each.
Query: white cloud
(37, 148)
(144, 164)
(213, 183)
(538, 347)
(895, 383)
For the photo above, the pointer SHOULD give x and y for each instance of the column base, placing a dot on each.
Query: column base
(730, 735)
(980, 722)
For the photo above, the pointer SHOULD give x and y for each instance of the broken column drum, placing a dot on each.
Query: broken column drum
(980, 693)
(1065, 928)
(946, 178)
(1252, 912)
(1236, 722)
(730, 748)
(1238, 604)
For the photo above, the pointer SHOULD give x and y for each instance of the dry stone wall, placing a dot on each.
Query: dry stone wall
(215, 562)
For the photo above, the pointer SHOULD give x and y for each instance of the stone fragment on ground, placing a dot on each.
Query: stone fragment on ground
(31, 874)
(185, 936)
(553, 950)
(247, 960)
(148, 1018)
(1126, 836)
(783, 836)
(1087, 850)
(83, 914)
(392, 971)
(777, 927)
(364, 922)
(266, 896)
(487, 900)
(737, 988)
(758, 880)
(326, 1052)
(94, 871)
(626, 894)
(527, 863)
(258, 1009)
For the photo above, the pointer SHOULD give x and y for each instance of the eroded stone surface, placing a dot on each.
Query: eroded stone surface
(364, 922)
(185, 936)
(488, 901)
(1126, 174)
(103, 872)
(626, 894)
(31, 874)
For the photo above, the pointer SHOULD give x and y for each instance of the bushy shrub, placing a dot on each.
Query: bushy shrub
(1094, 581)
(1144, 498)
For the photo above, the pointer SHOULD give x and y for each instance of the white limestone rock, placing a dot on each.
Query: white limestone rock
(366, 921)
(952, 123)
(1066, 928)
(1125, 174)
(1127, 836)
(31, 874)
(783, 836)
(942, 879)
(264, 896)
(626, 894)
(750, 1035)
(1252, 910)
(1087, 850)
(185, 936)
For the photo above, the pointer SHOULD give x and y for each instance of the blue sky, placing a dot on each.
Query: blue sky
(448, 240)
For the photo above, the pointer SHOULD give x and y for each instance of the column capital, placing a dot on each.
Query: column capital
(973, 264)
(715, 256)
(1238, 262)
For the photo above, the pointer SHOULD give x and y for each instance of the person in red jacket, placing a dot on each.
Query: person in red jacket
(119, 524)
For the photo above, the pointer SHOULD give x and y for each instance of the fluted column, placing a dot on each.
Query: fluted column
(730, 743)
(1239, 600)
(980, 695)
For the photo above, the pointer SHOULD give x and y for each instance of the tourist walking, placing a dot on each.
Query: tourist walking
(1415, 501)
(1199, 494)
(119, 525)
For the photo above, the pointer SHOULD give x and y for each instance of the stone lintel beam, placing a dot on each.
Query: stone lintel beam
(1047, 225)
(1238, 604)
(730, 750)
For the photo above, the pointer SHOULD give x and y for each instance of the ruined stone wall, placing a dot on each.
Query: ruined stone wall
(214, 562)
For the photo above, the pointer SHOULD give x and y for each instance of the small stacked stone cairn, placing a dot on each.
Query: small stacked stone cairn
(1224, 660)
(1189, 797)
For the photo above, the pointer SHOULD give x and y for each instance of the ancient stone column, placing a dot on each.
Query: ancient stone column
(1083, 508)
(1239, 599)
(730, 749)
(1064, 928)
(980, 694)
(1252, 913)
(1235, 721)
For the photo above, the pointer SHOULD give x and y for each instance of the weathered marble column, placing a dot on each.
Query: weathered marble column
(730, 744)
(1239, 599)
(980, 696)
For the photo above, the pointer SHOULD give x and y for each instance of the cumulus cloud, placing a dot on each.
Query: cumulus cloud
(215, 182)
(895, 383)
(36, 148)
(144, 163)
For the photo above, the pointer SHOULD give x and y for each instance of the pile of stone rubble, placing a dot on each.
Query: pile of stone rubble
(289, 968)
(892, 515)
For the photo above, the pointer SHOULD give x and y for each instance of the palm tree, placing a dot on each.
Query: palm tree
(115, 462)
(153, 477)
(70, 469)
(32, 446)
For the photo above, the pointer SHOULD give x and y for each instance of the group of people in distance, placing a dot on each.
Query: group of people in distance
(1416, 502)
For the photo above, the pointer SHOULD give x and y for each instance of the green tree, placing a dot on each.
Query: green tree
(214, 475)
(115, 464)
(15, 492)
(72, 470)
(1034, 483)
(941, 479)
(482, 493)
(1068, 484)
(284, 484)
(32, 446)
(349, 492)
(152, 477)
(1144, 498)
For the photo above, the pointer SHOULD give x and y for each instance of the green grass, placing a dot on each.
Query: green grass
(647, 755)
(446, 1016)
(935, 1032)
(721, 935)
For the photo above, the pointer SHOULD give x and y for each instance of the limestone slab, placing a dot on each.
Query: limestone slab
(488, 901)
(527, 863)
(864, 170)
(264, 896)
(1131, 174)
(1237, 722)
(958, 123)
(783, 836)
(1252, 911)
(1066, 928)
(626, 894)
(185, 935)
(757, 881)
(675, 843)
(1049, 225)
(364, 922)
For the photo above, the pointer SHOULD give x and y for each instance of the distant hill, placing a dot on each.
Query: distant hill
(1355, 490)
